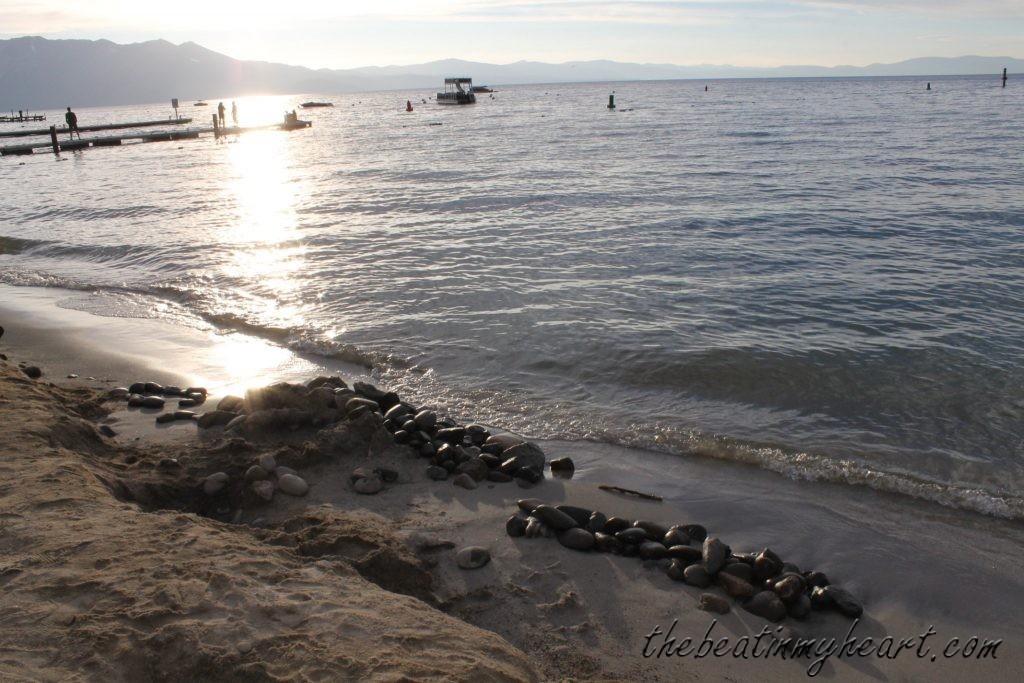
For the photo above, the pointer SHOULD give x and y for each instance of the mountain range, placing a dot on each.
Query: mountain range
(38, 73)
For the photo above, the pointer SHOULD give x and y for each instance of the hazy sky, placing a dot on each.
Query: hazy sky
(342, 33)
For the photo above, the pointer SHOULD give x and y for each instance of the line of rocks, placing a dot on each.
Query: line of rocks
(155, 396)
(261, 481)
(761, 582)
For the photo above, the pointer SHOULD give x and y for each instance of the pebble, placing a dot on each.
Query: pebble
(268, 462)
(767, 564)
(426, 420)
(654, 530)
(800, 607)
(714, 603)
(184, 415)
(563, 466)
(196, 390)
(137, 388)
(677, 571)
(816, 579)
(714, 554)
(215, 483)
(232, 404)
(118, 393)
(676, 536)
(465, 481)
(789, 588)
(72, 376)
(766, 604)
(596, 522)
(264, 489)
(581, 515)
(32, 372)
(652, 550)
(151, 402)
(554, 518)
(255, 473)
(152, 388)
(474, 467)
(740, 570)
(606, 543)
(686, 554)
(524, 455)
(515, 526)
(368, 485)
(576, 538)
(244, 646)
(528, 505)
(187, 403)
(695, 575)
(695, 531)
(735, 586)
(616, 524)
(216, 418)
(632, 536)
(844, 601)
(164, 418)
(472, 557)
(437, 473)
(293, 485)
(503, 441)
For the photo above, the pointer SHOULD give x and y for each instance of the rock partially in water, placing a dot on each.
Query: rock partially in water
(563, 467)
(472, 557)
(526, 454)
(151, 402)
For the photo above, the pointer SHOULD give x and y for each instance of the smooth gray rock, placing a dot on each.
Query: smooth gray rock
(766, 604)
(472, 557)
(713, 555)
(505, 441)
(655, 531)
(799, 607)
(554, 518)
(215, 418)
(151, 402)
(464, 481)
(710, 602)
(524, 455)
(474, 467)
(215, 483)
(268, 462)
(292, 485)
(789, 588)
(696, 575)
(576, 538)
(255, 473)
(844, 602)
(368, 485)
(563, 466)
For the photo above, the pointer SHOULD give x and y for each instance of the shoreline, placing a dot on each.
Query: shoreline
(907, 560)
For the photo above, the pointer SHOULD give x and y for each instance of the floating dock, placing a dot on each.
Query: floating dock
(49, 144)
(93, 129)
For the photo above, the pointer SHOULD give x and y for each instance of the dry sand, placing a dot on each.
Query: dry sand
(109, 571)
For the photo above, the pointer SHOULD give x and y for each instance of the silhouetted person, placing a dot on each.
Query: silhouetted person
(72, 120)
(929, 87)
(408, 105)
(220, 114)
(234, 113)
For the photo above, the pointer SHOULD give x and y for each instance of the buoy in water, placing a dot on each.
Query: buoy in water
(929, 87)
(611, 101)
(408, 105)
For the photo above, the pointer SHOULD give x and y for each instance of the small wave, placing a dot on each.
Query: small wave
(17, 245)
(87, 214)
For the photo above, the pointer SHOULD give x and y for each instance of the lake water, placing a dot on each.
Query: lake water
(824, 278)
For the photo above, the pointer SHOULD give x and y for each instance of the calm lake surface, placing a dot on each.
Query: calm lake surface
(824, 278)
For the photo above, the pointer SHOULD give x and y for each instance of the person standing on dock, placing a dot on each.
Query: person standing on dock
(220, 114)
(72, 120)
(234, 113)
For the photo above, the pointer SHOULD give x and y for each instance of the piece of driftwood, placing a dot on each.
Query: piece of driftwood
(619, 489)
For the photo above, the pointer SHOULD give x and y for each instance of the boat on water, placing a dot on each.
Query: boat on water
(481, 88)
(313, 105)
(200, 103)
(457, 91)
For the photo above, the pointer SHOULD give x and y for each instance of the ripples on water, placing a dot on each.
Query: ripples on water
(823, 277)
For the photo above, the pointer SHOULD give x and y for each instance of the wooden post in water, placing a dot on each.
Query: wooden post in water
(1004, 76)
(53, 139)
(216, 128)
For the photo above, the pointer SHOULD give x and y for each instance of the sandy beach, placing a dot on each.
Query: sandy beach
(115, 565)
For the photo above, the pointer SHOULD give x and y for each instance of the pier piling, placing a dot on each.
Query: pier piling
(53, 140)
(1004, 76)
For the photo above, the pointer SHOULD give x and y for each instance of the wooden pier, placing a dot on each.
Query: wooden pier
(93, 129)
(22, 117)
(52, 144)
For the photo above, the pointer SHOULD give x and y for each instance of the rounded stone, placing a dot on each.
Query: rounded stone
(735, 586)
(695, 531)
(281, 470)
(215, 483)
(464, 481)
(686, 554)
(563, 466)
(695, 575)
(816, 579)
(714, 554)
(554, 518)
(293, 485)
(426, 420)
(616, 524)
(767, 564)
(472, 557)
(596, 522)
(677, 571)
(652, 550)
(632, 536)
(137, 388)
(799, 607)
(151, 402)
(268, 462)
(581, 515)
(255, 473)
(368, 485)
(789, 588)
(714, 603)
(525, 455)
(164, 418)
(528, 505)
(576, 538)
(843, 601)
(515, 526)
(740, 570)
(606, 543)
(437, 473)
(655, 531)
(264, 489)
(676, 536)
(766, 604)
